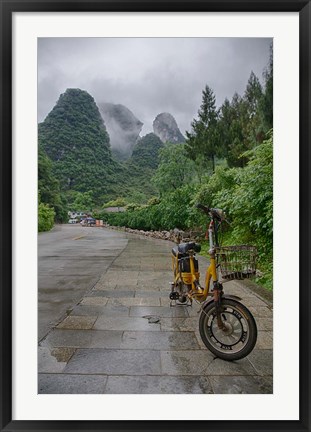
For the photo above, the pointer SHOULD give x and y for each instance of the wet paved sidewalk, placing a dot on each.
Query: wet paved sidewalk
(123, 336)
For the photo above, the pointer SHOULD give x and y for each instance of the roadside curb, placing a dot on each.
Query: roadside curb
(259, 291)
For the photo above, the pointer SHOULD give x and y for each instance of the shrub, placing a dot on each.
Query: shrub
(46, 216)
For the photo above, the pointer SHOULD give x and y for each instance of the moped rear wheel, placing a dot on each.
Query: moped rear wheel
(239, 336)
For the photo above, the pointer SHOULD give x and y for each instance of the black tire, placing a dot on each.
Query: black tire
(241, 334)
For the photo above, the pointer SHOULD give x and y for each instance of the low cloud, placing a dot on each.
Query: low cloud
(148, 75)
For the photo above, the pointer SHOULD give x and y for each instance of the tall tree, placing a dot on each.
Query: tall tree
(83, 201)
(266, 105)
(232, 127)
(240, 124)
(252, 97)
(253, 94)
(175, 168)
(202, 143)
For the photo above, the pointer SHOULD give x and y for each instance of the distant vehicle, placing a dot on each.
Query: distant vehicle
(73, 221)
(88, 222)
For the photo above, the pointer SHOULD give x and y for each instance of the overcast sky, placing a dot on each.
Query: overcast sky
(148, 75)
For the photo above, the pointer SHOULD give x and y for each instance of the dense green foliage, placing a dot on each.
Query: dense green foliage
(240, 123)
(245, 193)
(172, 211)
(202, 142)
(175, 168)
(146, 151)
(135, 185)
(247, 196)
(49, 188)
(45, 217)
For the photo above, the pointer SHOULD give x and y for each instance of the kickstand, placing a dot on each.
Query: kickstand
(174, 303)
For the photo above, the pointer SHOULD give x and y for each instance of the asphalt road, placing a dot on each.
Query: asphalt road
(71, 259)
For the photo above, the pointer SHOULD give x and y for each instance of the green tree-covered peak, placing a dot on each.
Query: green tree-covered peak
(73, 102)
(74, 137)
(146, 151)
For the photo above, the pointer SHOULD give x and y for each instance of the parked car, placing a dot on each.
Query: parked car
(88, 221)
(73, 221)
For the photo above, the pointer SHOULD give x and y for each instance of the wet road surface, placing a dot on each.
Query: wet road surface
(71, 260)
(106, 325)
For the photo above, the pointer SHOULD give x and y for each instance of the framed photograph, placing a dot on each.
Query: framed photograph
(86, 88)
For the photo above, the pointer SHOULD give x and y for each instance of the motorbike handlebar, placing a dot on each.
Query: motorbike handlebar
(203, 208)
(213, 212)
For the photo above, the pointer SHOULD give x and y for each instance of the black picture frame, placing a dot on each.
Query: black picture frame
(7, 9)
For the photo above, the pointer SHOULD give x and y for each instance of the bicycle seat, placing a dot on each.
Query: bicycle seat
(183, 248)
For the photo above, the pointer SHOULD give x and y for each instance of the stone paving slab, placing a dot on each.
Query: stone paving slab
(159, 311)
(153, 277)
(63, 354)
(239, 367)
(262, 361)
(264, 324)
(264, 340)
(253, 301)
(49, 363)
(107, 344)
(77, 322)
(150, 286)
(261, 311)
(71, 384)
(125, 275)
(94, 301)
(194, 311)
(121, 362)
(159, 340)
(179, 324)
(241, 384)
(84, 339)
(158, 385)
(191, 362)
(148, 293)
(111, 311)
(135, 301)
(128, 323)
(111, 293)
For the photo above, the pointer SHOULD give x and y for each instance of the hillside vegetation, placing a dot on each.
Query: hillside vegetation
(75, 159)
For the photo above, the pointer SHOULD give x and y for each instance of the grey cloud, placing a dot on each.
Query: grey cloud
(148, 75)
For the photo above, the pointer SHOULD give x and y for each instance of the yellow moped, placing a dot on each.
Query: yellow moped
(226, 326)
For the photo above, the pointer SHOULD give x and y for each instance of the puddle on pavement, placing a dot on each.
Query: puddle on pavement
(63, 354)
(152, 319)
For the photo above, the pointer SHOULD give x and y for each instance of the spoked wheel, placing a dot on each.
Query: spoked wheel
(239, 336)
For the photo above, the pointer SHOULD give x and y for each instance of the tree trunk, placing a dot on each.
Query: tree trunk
(213, 163)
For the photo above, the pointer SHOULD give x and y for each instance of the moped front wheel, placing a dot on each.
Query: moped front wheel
(239, 335)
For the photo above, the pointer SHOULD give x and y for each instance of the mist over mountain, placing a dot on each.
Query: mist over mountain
(166, 128)
(123, 128)
(75, 139)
